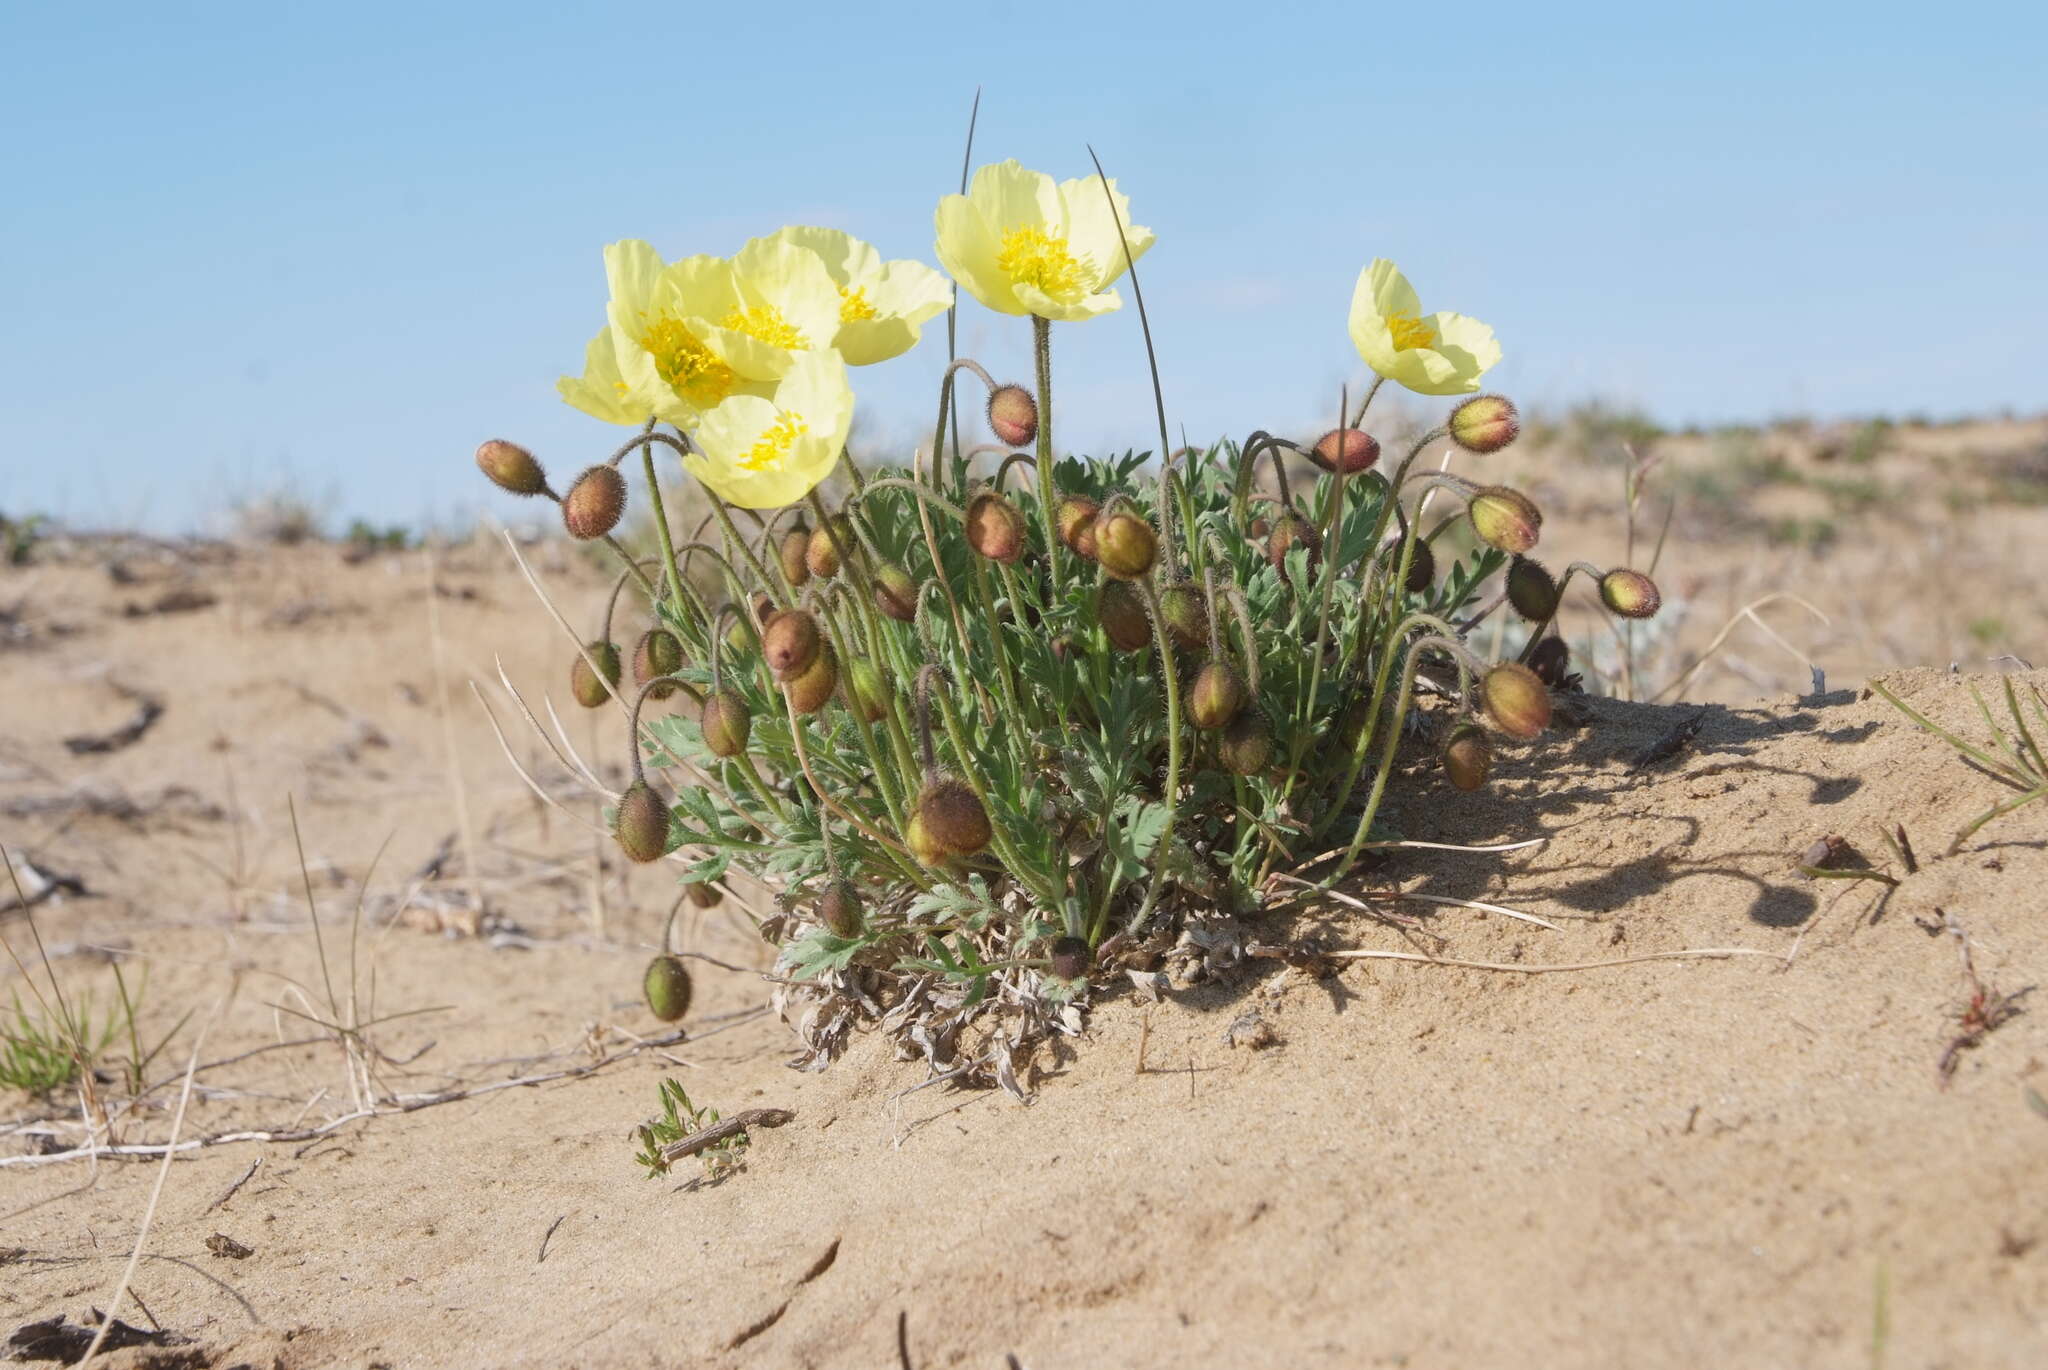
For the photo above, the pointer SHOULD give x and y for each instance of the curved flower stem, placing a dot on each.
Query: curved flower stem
(963, 757)
(1366, 402)
(626, 559)
(668, 549)
(760, 788)
(1170, 677)
(1041, 351)
(924, 493)
(898, 852)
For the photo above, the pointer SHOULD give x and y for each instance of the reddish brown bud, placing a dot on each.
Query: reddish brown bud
(790, 642)
(1216, 696)
(811, 688)
(1075, 515)
(1013, 415)
(995, 528)
(1350, 450)
(1468, 756)
(839, 910)
(704, 894)
(726, 722)
(953, 816)
(1516, 700)
(594, 503)
(1291, 530)
(794, 553)
(1551, 661)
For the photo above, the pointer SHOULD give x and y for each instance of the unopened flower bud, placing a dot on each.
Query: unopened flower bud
(895, 592)
(1216, 696)
(790, 642)
(511, 467)
(1350, 450)
(1013, 415)
(592, 688)
(1182, 609)
(994, 528)
(1505, 519)
(1516, 700)
(657, 654)
(1291, 530)
(823, 554)
(811, 688)
(866, 690)
(1468, 756)
(1125, 544)
(839, 910)
(726, 722)
(667, 986)
(641, 825)
(1485, 423)
(1070, 957)
(1551, 661)
(1247, 744)
(1075, 515)
(1122, 615)
(1532, 590)
(1630, 594)
(594, 503)
(704, 894)
(794, 553)
(953, 816)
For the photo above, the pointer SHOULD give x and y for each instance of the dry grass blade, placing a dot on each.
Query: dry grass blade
(539, 790)
(1395, 896)
(1690, 954)
(1747, 611)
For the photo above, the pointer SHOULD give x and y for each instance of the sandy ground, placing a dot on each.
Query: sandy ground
(1748, 1161)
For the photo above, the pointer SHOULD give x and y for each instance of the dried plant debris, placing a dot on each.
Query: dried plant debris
(148, 709)
(221, 1244)
(65, 1342)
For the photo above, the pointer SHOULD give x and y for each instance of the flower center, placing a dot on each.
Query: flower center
(1410, 332)
(1031, 256)
(765, 321)
(854, 305)
(693, 370)
(773, 445)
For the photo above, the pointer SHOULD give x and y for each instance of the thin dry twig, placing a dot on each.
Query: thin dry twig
(1691, 953)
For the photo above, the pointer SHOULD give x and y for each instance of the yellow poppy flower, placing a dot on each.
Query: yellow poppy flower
(667, 357)
(600, 391)
(1431, 354)
(882, 305)
(1024, 245)
(762, 453)
(762, 308)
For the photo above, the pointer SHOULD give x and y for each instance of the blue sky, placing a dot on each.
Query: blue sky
(331, 248)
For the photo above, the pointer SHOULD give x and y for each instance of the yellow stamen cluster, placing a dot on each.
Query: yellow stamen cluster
(1410, 332)
(774, 444)
(765, 321)
(693, 370)
(1031, 256)
(854, 304)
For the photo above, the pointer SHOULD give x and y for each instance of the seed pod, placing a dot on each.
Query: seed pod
(794, 553)
(1247, 744)
(1125, 544)
(1551, 661)
(839, 910)
(667, 986)
(925, 847)
(594, 503)
(1350, 450)
(995, 528)
(895, 592)
(1012, 415)
(1505, 519)
(1421, 568)
(1291, 530)
(1468, 756)
(1630, 594)
(866, 689)
(809, 690)
(641, 825)
(1485, 423)
(1532, 591)
(1075, 515)
(511, 467)
(726, 722)
(1186, 615)
(1517, 702)
(1217, 695)
(790, 642)
(823, 555)
(1122, 616)
(704, 894)
(657, 653)
(953, 816)
(593, 688)
(1071, 957)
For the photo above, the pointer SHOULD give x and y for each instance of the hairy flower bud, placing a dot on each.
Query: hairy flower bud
(794, 553)
(1291, 530)
(1516, 700)
(1216, 696)
(1012, 415)
(995, 528)
(1125, 544)
(1551, 661)
(866, 689)
(657, 654)
(923, 845)
(667, 986)
(704, 894)
(1532, 590)
(1071, 957)
(790, 642)
(1505, 519)
(811, 688)
(823, 554)
(1421, 568)
(511, 467)
(953, 815)
(641, 825)
(1075, 515)
(1485, 423)
(594, 503)
(1630, 594)
(1468, 756)
(726, 722)
(1122, 615)
(1183, 609)
(1350, 450)
(895, 592)
(1247, 744)
(839, 910)
(593, 688)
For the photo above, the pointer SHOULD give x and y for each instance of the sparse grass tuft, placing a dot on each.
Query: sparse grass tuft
(2015, 759)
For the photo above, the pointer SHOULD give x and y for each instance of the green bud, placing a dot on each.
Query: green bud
(1122, 615)
(1247, 744)
(726, 722)
(641, 825)
(593, 688)
(1505, 519)
(657, 654)
(1186, 615)
(895, 592)
(1485, 423)
(667, 986)
(867, 690)
(839, 910)
(1217, 695)
(1075, 515)
(704, 894)
(823, 554)
(1421, 568)
(923, 845)
(1125, 544)
(1630, 594)
(1532, 590)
